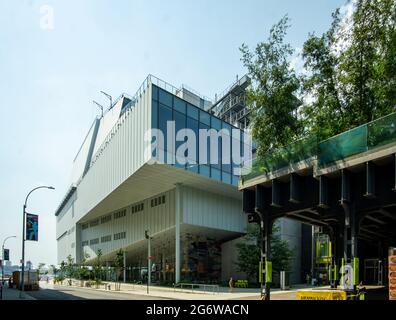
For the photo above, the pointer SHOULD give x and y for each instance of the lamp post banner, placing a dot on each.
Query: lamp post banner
(6, 254)
(31, 227)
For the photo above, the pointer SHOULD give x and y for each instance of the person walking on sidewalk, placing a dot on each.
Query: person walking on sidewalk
(231, 284)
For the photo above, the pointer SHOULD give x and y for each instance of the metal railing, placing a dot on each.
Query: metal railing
(214, 287)
(366, 137)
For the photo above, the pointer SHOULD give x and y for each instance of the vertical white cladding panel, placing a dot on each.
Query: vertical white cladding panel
(156, 219)
(113, 167)
(212, 210)
(82, 155)
(66, 233)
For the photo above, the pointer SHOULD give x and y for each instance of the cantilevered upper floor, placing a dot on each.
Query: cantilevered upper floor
(116, 145)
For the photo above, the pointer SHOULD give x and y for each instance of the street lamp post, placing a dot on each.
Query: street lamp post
(23, 235)
(2, 266)
(146, 234)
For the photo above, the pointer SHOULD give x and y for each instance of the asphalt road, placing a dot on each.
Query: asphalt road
(76, 293)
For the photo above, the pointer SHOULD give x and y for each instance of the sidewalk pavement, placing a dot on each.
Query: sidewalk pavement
(14, 294)
(185, 294)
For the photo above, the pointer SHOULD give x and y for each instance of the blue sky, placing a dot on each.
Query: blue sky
(48, 78)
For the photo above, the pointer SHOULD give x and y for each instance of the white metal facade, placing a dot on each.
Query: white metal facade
(113, 180)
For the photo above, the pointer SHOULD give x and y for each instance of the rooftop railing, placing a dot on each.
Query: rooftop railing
(366, 137)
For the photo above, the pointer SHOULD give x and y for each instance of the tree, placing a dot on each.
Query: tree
(351, 69)
(98, 268)
(54, 269)
(273, 96)
(324, 115)
(70, 268)
(40, 267)
(249, 251)
(63, 267)
(83, 269)
(119, 267)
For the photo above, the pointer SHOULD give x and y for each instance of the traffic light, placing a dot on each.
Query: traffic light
(6, 254)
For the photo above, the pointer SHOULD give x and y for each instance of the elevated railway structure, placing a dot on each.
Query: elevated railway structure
(345, 185)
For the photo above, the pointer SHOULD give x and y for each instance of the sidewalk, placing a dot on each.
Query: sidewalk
(185, 294)
(14, 294)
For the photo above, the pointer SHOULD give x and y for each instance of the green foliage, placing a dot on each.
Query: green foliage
(40, 267)
(352, 69)
(82, 271)
(349, 79)
(249, 251)
(63, 267)
(98, 268)
(59, 279)
(54, 269)
(273, 96)
(119, 267)
(70, 268)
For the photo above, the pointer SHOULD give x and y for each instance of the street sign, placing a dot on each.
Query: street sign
(6, 254)
(31, 227)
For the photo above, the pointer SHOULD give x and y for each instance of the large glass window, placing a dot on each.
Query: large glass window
(204, 170)
(226, 177)
(154, 114)
(180, 124)
(179, 105)
(216, 123)
(204, 117)
(193, 125)
(201, 144)
(154, 92)
(216, 174)
(167, 107)
(165, 98)
(192, 111)
(165, 115)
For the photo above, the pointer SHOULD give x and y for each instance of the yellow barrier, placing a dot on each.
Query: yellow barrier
(321, 295)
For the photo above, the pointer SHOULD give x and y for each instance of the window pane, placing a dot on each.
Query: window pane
(154, 114)
(180, 123)
(154, 92)
(165, 114)
(193, 125)
(192, 167)
(227, 127)
(204, 117)
(192, 111)
(226, 177)
(204, 170)
(207, 160)
(165, 98)
(226, 158)
(216, 174)
(216, 123)
(235, 180)
(179, 105)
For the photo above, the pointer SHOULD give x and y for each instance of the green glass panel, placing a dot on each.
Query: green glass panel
(342, 146)
(382, 131)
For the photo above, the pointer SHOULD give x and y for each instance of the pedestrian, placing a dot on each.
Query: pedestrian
(231, 284)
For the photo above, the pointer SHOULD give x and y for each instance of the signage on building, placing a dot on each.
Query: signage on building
(392, 274)
(31, 227)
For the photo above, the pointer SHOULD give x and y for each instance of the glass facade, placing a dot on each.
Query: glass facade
(168, 107)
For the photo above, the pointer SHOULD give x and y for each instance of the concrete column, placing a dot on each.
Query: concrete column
(124, 266)
(177, 235)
